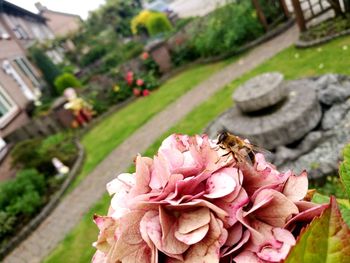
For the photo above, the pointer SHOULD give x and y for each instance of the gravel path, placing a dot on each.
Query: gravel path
(72, 208)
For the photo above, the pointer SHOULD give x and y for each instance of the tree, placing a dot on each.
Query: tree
(49, 70)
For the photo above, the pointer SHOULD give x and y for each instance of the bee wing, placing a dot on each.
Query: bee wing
(259, 149)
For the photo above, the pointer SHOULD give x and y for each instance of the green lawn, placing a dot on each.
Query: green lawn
(293, 63)
(112, 131)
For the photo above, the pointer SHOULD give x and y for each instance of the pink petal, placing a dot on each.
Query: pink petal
(193, 237)
(272, 254)
(160, 174)
(247, 257)
(147, 219)
(192, 220)
(221, 183)
(123, 182)
(276, 209)
(232, 207)
(170, 244)
(207, 250)
(99, 257)
(296, 187)
(174, 157)
(307, 215)
(234, 235)
(199, 203)
(255, 179)
(142, 176)
(241, 243)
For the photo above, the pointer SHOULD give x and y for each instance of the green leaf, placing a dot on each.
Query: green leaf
(325, 240)
(344, 205)
(344, 170)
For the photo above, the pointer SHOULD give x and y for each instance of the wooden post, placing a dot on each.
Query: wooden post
(285, 8)
(299, 15)
(260, 14)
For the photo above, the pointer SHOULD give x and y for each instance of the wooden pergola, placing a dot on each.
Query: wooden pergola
(316, 8)
(262, 16)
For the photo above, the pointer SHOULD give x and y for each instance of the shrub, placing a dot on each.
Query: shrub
(7, 223)
(131, 49)
(38, 154)
(226, 29)
(93, 55)
(20, 199)
(158, 23)
(23, 194)
(66, 80)
(48, 68)
(155, 23)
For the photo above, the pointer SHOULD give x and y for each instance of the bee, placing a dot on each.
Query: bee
(240, 149)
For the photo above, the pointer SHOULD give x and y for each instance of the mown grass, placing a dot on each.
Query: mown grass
(113, 130)
(293, 63)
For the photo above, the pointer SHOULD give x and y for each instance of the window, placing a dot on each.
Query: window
(27, 69)
(3, 33)
(7, 107)
(20, 33)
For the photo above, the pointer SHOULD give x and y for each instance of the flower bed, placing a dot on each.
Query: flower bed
(324, 32)
(29, 198)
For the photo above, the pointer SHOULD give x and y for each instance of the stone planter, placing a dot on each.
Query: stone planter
(160, 54)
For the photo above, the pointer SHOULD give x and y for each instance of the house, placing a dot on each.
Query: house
(61, 24)
(19, 79)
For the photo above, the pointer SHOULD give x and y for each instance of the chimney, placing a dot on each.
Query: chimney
(40, 7)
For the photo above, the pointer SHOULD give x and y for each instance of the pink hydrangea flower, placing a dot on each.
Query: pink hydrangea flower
(136, 92)
(139, 82)
(145, 92)
(145, 55)
(191, 204)
(129, 78)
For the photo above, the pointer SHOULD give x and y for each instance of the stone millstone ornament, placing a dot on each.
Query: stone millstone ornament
(260, 92)
(306, 128)
(270, 112)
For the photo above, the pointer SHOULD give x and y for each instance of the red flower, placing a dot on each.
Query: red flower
(145, 55)
(145, 92)
(136, 92)
(139, 82)
(129, 78)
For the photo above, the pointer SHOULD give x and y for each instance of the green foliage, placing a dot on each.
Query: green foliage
(66, 80)
(154, 22)
(158, 23)
(183, 54)
(327, 28)
(272, 10)
(96, 53)
(131, 50)
(48, 68)
(7, 223)
(344, 170)
(326, 239)
(22, 195)
(226, 29)
(38, 154)
(19, 199)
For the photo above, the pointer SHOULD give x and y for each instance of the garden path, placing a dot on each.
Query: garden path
(72, 208)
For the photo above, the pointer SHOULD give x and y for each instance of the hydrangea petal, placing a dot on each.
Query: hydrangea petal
(221, 183)
(296, 187)
(193, 237)
(192, 220)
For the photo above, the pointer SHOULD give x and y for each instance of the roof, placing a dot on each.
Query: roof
(10, 8)
(59, 13)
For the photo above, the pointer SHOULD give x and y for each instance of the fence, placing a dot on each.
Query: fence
(310, 12)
